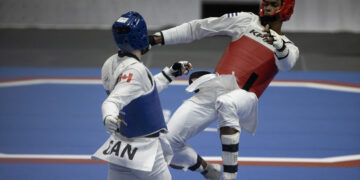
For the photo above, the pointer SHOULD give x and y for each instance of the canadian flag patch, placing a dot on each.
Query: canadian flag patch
(125, 77)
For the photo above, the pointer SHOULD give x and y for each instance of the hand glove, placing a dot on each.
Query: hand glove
(156, 39)
(180, 68)
(279, 44)
(177, 69)
(111, 124)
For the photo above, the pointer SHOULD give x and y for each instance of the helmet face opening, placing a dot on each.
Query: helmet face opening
(130, 32)
(285, 11)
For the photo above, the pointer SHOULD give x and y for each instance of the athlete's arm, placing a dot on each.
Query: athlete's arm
(231, 24)
(286, 59)
(165, 77)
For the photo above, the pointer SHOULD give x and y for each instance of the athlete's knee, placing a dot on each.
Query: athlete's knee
(224, 102)
(237, 98)
(226, 111)
(176, 143)
(252, 99)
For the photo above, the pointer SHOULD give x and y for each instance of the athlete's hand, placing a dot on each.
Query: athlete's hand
(112, 124)
(273, 38)
(177, 69)
(267, 37)
(180, 68)
(278, 43)
(155, 39)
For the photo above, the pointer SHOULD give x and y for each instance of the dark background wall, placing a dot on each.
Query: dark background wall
(90, 48)
(51, 33)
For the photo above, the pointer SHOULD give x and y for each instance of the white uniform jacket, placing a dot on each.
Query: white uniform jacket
(235, 25)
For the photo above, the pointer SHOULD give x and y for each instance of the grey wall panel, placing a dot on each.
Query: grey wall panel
(309, 16)
(325, 16)
(89, 14)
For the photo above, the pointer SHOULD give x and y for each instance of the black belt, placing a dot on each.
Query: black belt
(157, 134)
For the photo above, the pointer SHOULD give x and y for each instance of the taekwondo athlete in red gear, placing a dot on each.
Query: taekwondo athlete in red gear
(258, 50)
(132, 113)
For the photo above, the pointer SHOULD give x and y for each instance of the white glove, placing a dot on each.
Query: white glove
(111, 124)
(279, 44)
(177, 69)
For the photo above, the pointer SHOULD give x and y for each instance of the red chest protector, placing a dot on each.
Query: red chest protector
(253, 64)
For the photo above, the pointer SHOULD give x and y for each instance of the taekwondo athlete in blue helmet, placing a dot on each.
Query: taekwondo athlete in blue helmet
(132, 113)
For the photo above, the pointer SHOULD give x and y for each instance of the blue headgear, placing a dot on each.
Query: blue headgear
(130, 32)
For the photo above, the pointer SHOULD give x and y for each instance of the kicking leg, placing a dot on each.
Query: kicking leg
(188, 120)
(232, 108)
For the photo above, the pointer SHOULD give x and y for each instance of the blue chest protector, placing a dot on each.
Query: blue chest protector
(143, 116)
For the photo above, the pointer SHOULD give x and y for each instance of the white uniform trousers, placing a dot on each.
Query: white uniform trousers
(197, 113)
(188, 120)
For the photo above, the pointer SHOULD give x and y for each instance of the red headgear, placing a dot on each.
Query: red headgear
(285, 11)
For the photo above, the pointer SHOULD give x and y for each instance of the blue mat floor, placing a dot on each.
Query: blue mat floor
(62, 118)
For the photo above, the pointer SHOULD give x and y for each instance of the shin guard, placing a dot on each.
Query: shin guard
(230, 148)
